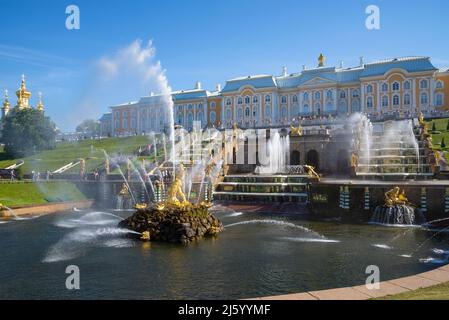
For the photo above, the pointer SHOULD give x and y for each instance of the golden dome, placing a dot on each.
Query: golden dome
(23, 95)
(6, 102)
(40, 106)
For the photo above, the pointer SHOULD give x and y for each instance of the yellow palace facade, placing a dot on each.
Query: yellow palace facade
(399, 87)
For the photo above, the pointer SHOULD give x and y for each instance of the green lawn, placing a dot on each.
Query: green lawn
(441, 131)
(20, 194)
(438, 292)
(67, 152)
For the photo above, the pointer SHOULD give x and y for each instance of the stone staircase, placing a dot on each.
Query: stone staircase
(262, 188)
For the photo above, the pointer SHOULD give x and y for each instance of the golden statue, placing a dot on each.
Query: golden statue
(296, 131)
(321, 60)
(396, 196)
(176, 197)
(145, 236)
(354, 160)
(310, 170)
(420, 118)
(124, 191)
(140, 206)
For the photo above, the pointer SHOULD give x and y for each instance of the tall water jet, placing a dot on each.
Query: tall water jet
(278, 154)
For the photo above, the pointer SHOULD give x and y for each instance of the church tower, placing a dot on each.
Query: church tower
(40, 106)
(23, 96)
(5, 108)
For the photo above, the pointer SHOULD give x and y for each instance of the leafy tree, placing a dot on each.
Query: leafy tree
(434, 128)
(89, 127)
(27, 131)
(443, 145)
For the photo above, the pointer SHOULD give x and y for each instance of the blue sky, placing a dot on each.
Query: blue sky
(208, 41)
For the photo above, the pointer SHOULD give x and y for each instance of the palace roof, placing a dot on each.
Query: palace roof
(257, 81)
(190, 94)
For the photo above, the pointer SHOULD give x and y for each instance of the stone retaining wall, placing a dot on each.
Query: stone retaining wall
(48, 208)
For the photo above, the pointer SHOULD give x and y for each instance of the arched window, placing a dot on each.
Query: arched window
(190, 107)
(268, 98)
(247, 112)
(384, 87)
(284, 112)
(439, 99)
(247, 100)
(240, 114)
(355, 106)
(329, 95)
(439, 84)
(342, 107)
(385, 101)
(267, 111)
(355, 93)
(240, 100)
(369, 102)
(295, 111)
(228, 101)
(306, 96)
(255, 99)
(180, 118)
(423, 84)
(284, 99)
(228, 114)
(295, 98)
(213, 117)
(395, 100)
(200, 106)
(306, 108)
(212, 105)
(369, 88)
(318, 108)
(407, 99)
(407, 85)
(396, 86)
(317, 95)
(200, 117)
(424, 98)
(342, 94)
(190, 120)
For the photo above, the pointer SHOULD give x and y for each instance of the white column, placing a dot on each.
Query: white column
(413, 93)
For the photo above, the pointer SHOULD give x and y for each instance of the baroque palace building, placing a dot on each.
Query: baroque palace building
(393, 87)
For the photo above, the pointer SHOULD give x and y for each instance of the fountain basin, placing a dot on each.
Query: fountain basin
(175, 225)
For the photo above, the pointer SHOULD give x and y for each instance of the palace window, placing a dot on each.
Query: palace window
(213, 116)
(329, 95)
(439, 84)
(240, 100)
(306, 96)
(190, 119)
(295, 110)
(342, 107)
(200, 106)
(342, 94)
(240, 113)
(317, 95)
(384, 87)
(255, 99)
(283, 99)
(247, 100)
(306, 108)
(295, 98)
(228, 101)
(355, 106)
(395, 100)
(384, 101)
(396, 86)
(407, 85)
(212, 105)
(267, 111)
(439, 99)
(228, 114)
(369, 102)
(369, 88)
(180, 118)
(190, 107)
(424, 98)
(284, 112)
(200, 117)
(318, 108)
(355, 93)
(407, 99)
(267, 98)
(247, 112)
(423, 84)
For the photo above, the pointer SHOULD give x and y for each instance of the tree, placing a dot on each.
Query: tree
(27, 131)
(434, 128)
(443, 145)
(89, 128)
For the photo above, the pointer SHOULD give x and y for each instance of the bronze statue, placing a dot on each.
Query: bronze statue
(396, 196)
(124, 191)
(310, 170)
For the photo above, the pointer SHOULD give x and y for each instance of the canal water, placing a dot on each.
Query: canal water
(256, 255)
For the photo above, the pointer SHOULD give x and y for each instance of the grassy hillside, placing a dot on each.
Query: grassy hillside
(67, 152)
(440, 133)
(20, 194)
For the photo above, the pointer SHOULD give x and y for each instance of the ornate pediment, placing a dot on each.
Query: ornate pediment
(318, 81)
